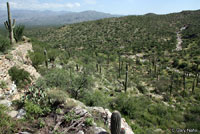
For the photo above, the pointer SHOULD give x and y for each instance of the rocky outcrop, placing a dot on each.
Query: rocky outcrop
(105, 115)
(16, 57)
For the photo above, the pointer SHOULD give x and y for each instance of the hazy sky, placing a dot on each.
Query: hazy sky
(124, 7)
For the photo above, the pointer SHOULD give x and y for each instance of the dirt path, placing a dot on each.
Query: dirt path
(179, 39)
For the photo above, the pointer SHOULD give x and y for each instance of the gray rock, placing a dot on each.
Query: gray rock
(99, 130)
(80, 111)
(13, 89)
(80, 132)
(6, 103)
(1, 95)
(21, 113)
(13, 114)
(24, 133)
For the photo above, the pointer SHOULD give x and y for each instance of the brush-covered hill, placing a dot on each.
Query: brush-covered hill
(146, 67)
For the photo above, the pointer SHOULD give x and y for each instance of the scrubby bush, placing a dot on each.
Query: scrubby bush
(141, 88)
(37, 59)
(57, 78)
(4, 44)
(162, 85)
(57, 96)
(192, 117)
(131, 106)
(95, 98)
(19, 76)
(18, 32)
(33, 110)
(3, 84)
(7, 124)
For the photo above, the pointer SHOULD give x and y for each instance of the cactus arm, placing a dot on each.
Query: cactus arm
(6, 25)
(9, 16)
(13, 25)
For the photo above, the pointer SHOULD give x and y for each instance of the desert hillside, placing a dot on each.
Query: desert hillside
(74, 78)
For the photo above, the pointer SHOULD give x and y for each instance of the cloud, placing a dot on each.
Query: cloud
(36, 5)
(90, 1)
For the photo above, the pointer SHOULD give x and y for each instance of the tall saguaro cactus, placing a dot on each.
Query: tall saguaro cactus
(115, 123)
(46, 58)
(10, 25)
(126, 78)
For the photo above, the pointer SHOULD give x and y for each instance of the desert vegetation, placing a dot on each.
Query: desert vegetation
(130, 64)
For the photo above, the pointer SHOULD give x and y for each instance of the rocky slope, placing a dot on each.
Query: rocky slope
(18, 57)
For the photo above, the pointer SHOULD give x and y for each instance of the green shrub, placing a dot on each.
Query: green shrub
(94, 98)
(7, 124)
(57, 96)
(162, 85)
(9, 57)
(18, 32)
(19, 76)
(192, 117)
(131, 106)
(41, 123)
(3, 84)
(33, 111)
(57, 78)
(70, 116)
(37, 58)
(89, 121)
(4, 44)
(141, 88)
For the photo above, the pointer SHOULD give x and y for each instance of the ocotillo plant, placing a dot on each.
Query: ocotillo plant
(9, 25)
(46, 58)
(115, 123)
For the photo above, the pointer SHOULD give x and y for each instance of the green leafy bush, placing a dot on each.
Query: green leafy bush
(57, 78)
(33, 111)
(4, 44)
(3, 84)
(19, 76)
(89, 121)
(57, 96)
(18, 32)
(192, 117)
(37, 59)
(71, 116)
(7, 124)
(95, 98)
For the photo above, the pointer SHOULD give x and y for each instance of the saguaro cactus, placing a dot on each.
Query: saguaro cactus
(9, 25)
(115, 123)
(46, 58)
(126, 78)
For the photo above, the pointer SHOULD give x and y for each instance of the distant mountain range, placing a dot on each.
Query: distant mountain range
(41, 18)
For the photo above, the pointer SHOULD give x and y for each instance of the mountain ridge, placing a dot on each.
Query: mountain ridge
(47, 17)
